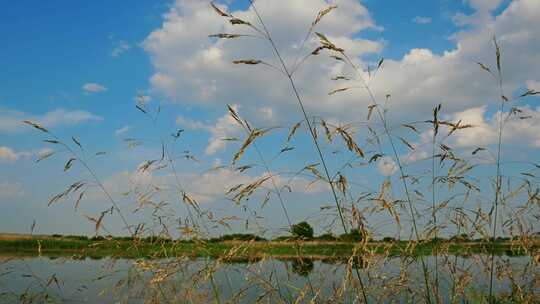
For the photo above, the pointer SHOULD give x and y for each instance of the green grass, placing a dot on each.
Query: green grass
(322, 250)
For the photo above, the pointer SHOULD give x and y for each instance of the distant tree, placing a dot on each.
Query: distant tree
(124, 238)
(302, 230)
(77, 237)
(326, 237)
(241, 237)
(461, 238)
(353, 236)
(388, 239)
(437, 240)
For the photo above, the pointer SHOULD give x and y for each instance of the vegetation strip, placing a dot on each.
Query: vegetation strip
(156, 248)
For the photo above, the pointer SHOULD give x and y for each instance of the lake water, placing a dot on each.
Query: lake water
(108, 280)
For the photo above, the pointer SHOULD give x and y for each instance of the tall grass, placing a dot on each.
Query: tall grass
(439, 195)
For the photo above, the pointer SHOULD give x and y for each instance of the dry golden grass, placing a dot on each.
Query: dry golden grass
(17, 236)
(444, 198)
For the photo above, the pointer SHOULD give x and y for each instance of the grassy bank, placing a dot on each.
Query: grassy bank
(238, 249)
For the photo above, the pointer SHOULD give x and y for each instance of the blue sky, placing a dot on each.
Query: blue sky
(78, 69)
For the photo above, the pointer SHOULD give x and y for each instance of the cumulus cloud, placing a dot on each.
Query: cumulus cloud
(518, 128)
(417, 57)
(206, 187)
(193, 69)
(533, 85)
(93, 88)
(190, 123)
(418, 154)
(212, 76)
(484, 5)
(122, 131)
(142, 98)
(11, 190)
(120, 48)
(422, 79)
(387, 166)
(212, 185)
(11, 121)
(225, 127)
(8, 155)
(422, 20)
(267, 114)
(65, 117)
(482, 133)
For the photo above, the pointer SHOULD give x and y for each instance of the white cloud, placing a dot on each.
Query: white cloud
(267, 114)
(482, 132)
(11, 190)
(453, 77)
(120, 48)
(93, 88)
(520, 128)
(533, 85)
(212, 185)
(142, 98)
(387, 166)
(201, 71)
(484, 5)
(8, 155)
(11, 121)
(206, 187)
(417, 56)
(192, 69)
(190, 123)
(422, 20)
(65, 117)
(482, 15)
(122, 131)
(224, 127)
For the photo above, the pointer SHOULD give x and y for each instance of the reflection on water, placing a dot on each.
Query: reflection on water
(110, 280)
(302, 266)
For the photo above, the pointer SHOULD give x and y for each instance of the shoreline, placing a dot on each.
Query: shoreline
(316, 250)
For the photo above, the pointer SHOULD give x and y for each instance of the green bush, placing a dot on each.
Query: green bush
(326, 237)
(302, 230)
(388, 239)
(353, 236)
(241, 237)
(124, 238)
(76, 237)
(156, 239)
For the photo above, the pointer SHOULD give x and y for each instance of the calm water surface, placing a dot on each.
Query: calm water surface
(107, 280)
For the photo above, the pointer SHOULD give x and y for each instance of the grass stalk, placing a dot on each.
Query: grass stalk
(403, 176)
(312, 132)
(498, 174)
